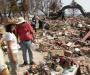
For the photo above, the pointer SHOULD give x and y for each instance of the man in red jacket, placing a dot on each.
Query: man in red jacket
(26, 35)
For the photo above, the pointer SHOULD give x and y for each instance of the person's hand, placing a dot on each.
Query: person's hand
(33, 41)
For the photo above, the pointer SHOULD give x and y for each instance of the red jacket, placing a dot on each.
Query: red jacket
(25, 32)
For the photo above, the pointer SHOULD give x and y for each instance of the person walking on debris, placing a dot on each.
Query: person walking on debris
(36, 22)
(3, 67)
(45, 27)
(12, 45)
(26, 35)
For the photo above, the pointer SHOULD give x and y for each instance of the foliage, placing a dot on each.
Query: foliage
(25, 5)
(2, 6)
(13, 7)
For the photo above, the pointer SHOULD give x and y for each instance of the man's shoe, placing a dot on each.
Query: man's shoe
(32, 63)
(24, 64)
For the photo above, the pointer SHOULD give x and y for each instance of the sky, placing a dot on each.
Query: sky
(84, 3)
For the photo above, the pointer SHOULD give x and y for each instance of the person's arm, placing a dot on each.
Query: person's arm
(32, 31)
(86, 36)
(10, 52)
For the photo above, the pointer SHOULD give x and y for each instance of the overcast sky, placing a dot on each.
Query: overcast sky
(84, 3)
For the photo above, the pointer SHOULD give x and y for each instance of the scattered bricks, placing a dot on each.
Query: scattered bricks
(88, 67)
(85, 49)
(81, 64)
(84, 68)
(57, 52)
(68, 53)
(63, 37)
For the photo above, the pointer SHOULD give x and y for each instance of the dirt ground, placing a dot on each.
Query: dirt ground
(38, 57)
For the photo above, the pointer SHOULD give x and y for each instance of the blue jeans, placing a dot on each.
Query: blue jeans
(26, 45)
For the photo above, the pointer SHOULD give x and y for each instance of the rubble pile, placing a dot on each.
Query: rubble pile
(84, 68)
(64, 39)
(84, 65)
(61, 33)
(53, 65)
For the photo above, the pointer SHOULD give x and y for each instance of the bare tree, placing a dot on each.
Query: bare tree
(3, 7)
(13, 8)
(55, 6)
(42, 5)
